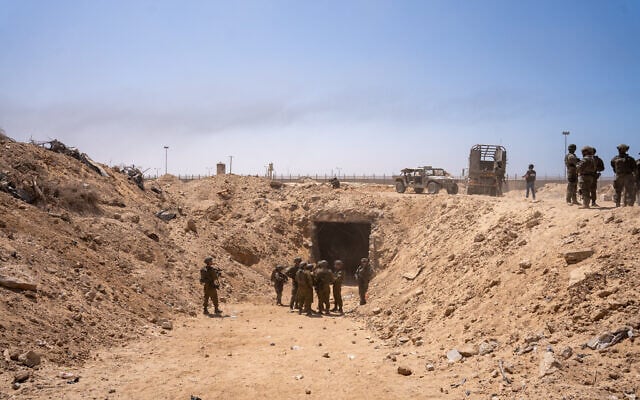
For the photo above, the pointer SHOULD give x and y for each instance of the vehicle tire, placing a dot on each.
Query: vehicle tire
(453, 189)
(433, 188)
(400, 188)
(418, 190)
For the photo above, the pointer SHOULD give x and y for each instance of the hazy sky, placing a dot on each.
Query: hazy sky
(364, 86)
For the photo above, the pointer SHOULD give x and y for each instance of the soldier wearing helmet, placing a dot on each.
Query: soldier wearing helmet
(337, 286)
(291, 273)
(323, 280)
(530, 179)
(305, 288)
(363, 276)
(571, 162)
(209, 277)
(278, 278)
(624, 166)
(599, 169)
(586, 169)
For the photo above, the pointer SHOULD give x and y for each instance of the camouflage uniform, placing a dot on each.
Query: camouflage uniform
(305, 288)
(209, 276)
(571, 162)
(323, 279)
(363, 276)
(594, 187)
(337, 287)
(278, 278)
(624, 166)
(586, 175)
(499, 172)
(291, 273)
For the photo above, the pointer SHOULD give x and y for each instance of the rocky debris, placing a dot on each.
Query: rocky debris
(165, 324)
(30, 359)
(21, 376)
(479, 238)
(548, 364)
(403, 339)
(14, 283)
(449, 310)
(376, 311)
(609, 339)
(134, 175)
(191, 226)
(430, 367)
(276, 184)
(418, 292)
(411, 276)
(566, 353)
(325, 355)
(454, 356)
(468, 351)
(7, 186)
(574, 257)
(404, 370)
(165, 215)
(486, 347)
(58, 147)
(524, 264)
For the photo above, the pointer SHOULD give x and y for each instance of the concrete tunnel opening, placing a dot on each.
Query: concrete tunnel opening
(346, 241)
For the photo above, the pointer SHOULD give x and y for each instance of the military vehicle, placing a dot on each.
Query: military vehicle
(482, 177)
(429, 178)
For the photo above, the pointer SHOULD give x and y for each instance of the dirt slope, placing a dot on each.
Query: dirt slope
(454, 272)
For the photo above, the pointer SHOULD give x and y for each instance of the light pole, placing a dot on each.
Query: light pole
(230, 163)
(209, 171)
(565, 134)
(166, 152)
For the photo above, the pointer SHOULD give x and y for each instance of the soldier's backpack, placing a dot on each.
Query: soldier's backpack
(204, 276)
(621, 165)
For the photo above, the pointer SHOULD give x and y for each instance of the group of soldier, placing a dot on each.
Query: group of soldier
(306, 276)
(583, 174)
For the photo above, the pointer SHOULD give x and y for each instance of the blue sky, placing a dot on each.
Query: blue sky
(312, 86)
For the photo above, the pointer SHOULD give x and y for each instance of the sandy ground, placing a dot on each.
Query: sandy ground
(252, 351)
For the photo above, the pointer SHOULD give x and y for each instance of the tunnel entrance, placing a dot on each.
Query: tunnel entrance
(346, 241)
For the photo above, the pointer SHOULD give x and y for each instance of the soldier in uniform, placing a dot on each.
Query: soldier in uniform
(499, 172)
(363, 276)
(279, 279)
(209, 277)
(624, 166)
(638, 180)
(530, 179)
(599, 169)
(323, 278)
(291, 273)
(337, 286)
(586, 174)
(305, 288)
(571, 162)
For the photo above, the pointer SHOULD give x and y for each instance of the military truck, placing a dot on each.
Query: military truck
(485, 162)
(429, 178)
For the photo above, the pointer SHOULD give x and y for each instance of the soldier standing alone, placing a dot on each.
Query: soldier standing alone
(499, 172)
(279, 279)
(530, 179)
(599, 169)
(337, 286)
(363, 276)
(586, 174)
(624, 166)
(209, 277)
(571, 162)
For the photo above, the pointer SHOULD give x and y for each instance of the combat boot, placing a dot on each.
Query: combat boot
(217, 311)
(205, 311)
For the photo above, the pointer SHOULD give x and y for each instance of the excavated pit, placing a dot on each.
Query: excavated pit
(346, 241)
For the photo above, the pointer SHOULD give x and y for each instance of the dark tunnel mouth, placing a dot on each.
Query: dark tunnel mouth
(346, 241)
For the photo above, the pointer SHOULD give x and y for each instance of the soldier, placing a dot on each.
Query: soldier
(530, 179)
(599, 169)
(279, 279)
(638, 180)
(363, 276)
(305, 288)
(337, 286)
(586, 169)
(324, 278)
(624, 166)
(209, 277)
(291, 273)
(571, 162)
(499, 172)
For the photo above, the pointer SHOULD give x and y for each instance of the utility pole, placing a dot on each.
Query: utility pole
(230, 163)
(209, 171)
(166, 152)
(565, 134)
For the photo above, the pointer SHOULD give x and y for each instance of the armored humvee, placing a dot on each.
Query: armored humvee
(421, 178)
(486, 163)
